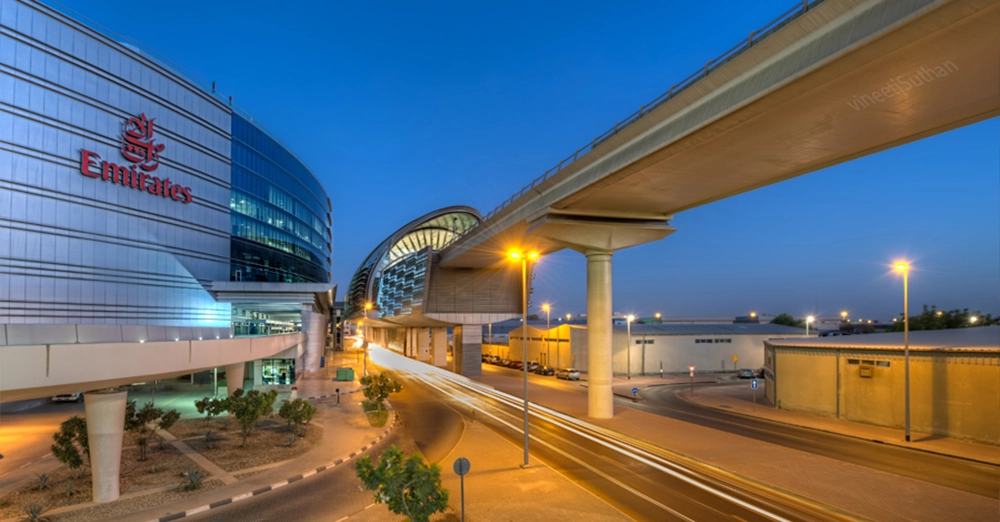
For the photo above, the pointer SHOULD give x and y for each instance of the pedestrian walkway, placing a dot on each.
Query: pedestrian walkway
(847, 487)
(496, 488)
(739, 398)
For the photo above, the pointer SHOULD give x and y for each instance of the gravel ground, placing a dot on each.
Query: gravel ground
(131, 505)
(264, 445)
(163, 467)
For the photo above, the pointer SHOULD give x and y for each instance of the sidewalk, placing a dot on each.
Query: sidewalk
(848, 487)
(496, 488)
(738, 398)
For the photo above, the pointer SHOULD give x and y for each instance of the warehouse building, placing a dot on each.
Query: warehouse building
(954, 380)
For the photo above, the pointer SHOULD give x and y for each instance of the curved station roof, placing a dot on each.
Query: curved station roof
(435, 230)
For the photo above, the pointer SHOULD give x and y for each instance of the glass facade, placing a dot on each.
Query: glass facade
(280, 213)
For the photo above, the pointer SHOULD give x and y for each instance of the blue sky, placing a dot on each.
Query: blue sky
(401, 108)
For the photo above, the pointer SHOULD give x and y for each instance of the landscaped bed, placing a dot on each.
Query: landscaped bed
(66, 487)
(266, 444)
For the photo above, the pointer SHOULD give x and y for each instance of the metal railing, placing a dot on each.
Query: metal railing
(754, 38)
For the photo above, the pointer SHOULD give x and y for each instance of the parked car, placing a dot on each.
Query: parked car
(745, 373)
(494, 359)
(545, 370)
(570, 374)
(516, 365)
(505, 362)
(532, 366)
(68, 397)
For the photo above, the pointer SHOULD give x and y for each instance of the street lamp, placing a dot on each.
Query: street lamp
(364, 343)
(658, 316)
(843, 316)
(905, 269)
(548, 325)
(628, 347)
(753, 314)
(973, 319)
(524, 258)
(809, 321)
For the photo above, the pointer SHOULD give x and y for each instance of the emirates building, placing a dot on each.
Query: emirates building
(148, 228)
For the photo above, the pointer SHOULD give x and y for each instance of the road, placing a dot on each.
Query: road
(26, 437)
(956, 473)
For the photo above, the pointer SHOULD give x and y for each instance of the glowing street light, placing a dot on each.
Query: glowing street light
(973, 319)
(628, 347)
(548, 325)
(809, 320)
(658, 315)
(843, 315)
(515, 255)
(753, 314)
(905, 269)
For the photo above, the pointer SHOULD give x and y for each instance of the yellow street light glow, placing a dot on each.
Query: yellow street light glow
(843, 315)
(810, 319)
(902, 267)
(973, 319)
(894, 319)
(545, 308)
(533, 255)
(514, 255)
(869, 321)
(569, 316)
(657, 315)
(940, 313)
(630, 318)
(368, 306)
(753, 314)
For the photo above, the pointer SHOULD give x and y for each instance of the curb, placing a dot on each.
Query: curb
(331, 395)
(842, 434)
(283, 483)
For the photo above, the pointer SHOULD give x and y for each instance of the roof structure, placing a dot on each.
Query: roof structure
(979, 339)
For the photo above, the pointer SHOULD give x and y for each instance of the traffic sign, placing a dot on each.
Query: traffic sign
(635, 391)
(462, 466)
(753, 384)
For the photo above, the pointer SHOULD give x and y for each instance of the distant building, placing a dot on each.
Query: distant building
(708, 347)
(954, 379)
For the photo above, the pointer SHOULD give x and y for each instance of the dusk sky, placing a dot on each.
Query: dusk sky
(404, 107)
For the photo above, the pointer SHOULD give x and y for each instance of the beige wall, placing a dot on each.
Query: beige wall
(550, 348)
(951, 394)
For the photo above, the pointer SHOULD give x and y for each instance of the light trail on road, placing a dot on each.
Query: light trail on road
(618, 468)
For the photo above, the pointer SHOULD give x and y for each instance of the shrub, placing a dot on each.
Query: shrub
(297, 413)
(43, 481)
(249, 407)
(194, 478)
(407, 487)
(137, 422)
(167, 421)
(34, 513)
(71, 445)
(211, 407)
(378, 387)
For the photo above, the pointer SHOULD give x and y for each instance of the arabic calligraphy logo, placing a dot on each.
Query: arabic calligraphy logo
(138, 145)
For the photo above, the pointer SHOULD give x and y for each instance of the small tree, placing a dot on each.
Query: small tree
(378, 387)
(297, 412)
(410, 488)
(167, 421)
(211, 407)
(137, 422)
(787, 320)
(71, 445)
(249, 407)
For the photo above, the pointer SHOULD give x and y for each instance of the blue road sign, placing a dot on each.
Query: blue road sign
(753, 384)
(635, 391)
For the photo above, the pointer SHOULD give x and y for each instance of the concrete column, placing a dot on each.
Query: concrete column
(469, 350)
(424, 344)
(235, 373)
(105, 413)
(600, 398)
(439, 346)
(314, 326)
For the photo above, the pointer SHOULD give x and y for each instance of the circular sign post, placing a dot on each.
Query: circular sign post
(461, 467)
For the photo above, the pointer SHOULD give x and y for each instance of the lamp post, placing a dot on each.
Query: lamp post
(843, 316)
(364, 343)
(658, 316)
(809, 321)
(548, 325)
(905, 269)
(628, 347)
(524, 258)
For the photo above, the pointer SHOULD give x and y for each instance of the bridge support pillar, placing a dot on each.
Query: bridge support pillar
(105, 413)
(439, 346)
(314, 326)
(468, 350)
(235, 374)
(424, 344)
(600, 398)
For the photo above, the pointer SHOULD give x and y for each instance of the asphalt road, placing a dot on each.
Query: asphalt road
(26, 437)
(956, 473)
